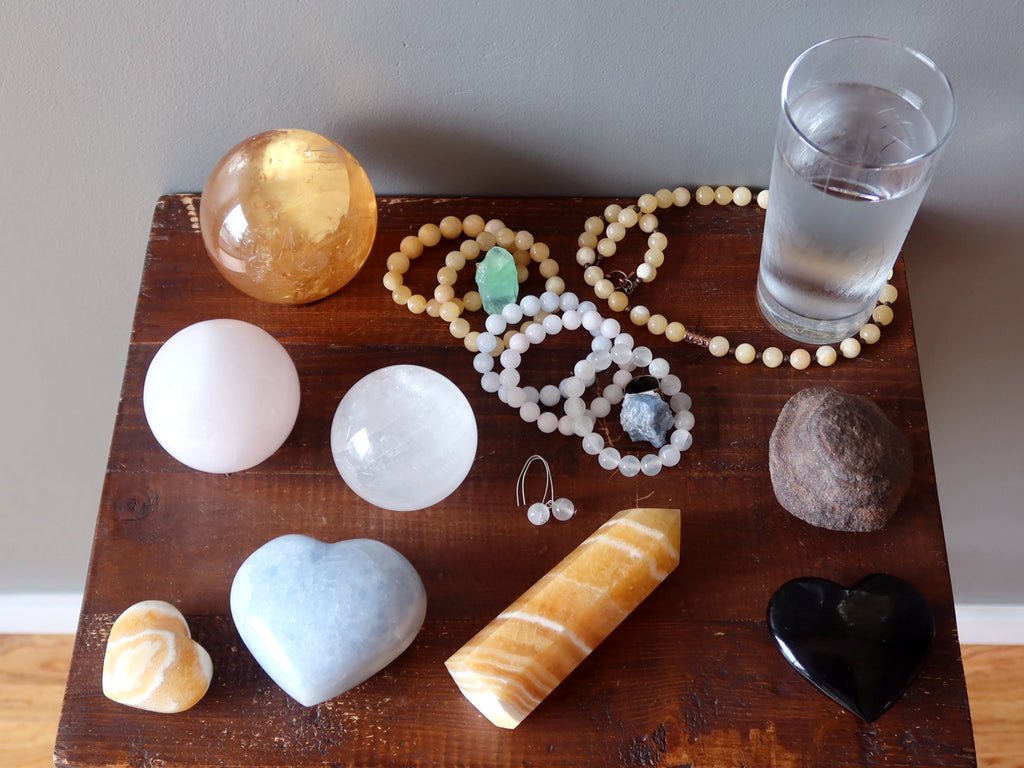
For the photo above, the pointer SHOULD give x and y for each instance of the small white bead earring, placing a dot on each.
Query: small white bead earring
(541, 511)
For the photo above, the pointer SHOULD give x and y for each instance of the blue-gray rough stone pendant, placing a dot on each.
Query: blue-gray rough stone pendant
(861, 646)
(644, 415)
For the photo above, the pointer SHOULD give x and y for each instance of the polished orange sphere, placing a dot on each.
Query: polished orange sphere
(288, 216)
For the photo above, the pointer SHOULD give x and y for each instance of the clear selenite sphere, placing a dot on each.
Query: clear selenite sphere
(404, 437)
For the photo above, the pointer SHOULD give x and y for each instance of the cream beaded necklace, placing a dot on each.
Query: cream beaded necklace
(599, 241)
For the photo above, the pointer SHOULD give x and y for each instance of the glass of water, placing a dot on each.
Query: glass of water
(863, 122)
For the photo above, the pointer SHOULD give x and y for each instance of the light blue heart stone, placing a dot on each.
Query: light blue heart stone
(497, 279)
(322, 618)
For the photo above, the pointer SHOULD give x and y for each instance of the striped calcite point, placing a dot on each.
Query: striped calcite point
(508, 668)
(152, 662)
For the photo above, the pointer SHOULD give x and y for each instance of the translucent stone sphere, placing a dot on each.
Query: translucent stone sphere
(404, 437)
(288, 216)
(221, 395)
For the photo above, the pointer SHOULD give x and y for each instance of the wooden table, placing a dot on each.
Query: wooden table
(691, 677)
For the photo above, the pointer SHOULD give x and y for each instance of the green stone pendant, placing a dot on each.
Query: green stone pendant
(497, 278)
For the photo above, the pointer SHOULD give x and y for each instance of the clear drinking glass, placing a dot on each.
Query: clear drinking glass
(863, 122)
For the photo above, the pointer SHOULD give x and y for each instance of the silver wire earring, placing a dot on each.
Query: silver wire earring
(541, 511)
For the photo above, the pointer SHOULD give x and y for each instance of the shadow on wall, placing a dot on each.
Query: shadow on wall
(444, 161)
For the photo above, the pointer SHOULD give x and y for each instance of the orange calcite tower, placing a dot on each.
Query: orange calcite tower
(514, 662)
(288, 216)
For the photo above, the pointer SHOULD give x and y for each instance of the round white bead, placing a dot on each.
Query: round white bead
(669, 455)
(592, 321)
(609, 458)
(519, 343)
(582, 425)
(681, 439)
(671, 385)
(549, 395)
(650, 465)
(515, 397)
(622, 377)
(509, 377)
(490, 382)
(573, 386)
(568, 300)
(487, 342)
(562, 509)
(552, 324)
(495, 324)
(565, 425)
(530, 305)
(593, 444)
(549, 301)
(600, 407)
(642, 356)
(512, 313)
(529, 412)
(684, 420)
(547, 422)
(483, 362)
(571, 319)
(574, 406)
(538, 513)
(658, 367)
(629, 466)
(680, 402)
(585, 370)
(613, 394)
(510, 358)
(610, 328)
(536, 333)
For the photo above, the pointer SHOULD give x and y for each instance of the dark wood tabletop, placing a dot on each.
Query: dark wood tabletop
(691, 677)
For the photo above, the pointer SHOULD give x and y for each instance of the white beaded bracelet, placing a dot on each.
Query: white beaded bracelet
(610, 345)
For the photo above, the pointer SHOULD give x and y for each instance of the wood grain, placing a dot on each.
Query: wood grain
(692, 677)
(33, 669)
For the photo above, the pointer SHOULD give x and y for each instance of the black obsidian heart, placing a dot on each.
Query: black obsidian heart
(862, 646)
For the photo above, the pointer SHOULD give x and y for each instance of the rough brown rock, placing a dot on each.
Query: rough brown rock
(837, 462)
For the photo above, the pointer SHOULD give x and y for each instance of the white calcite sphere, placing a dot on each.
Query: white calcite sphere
(221, 395)
(404, 437)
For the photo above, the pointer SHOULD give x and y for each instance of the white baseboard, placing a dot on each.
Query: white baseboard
(990, 624)
(42, 613)
(56, 613)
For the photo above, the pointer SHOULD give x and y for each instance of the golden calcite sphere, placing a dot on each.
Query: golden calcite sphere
(288, 216)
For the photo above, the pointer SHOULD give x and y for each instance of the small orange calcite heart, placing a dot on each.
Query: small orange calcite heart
(152, 662)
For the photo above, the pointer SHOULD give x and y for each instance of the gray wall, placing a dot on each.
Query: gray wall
(105, 106)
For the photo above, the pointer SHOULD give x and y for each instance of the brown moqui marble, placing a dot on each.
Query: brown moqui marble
(837, 462)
